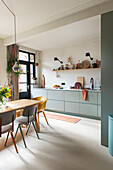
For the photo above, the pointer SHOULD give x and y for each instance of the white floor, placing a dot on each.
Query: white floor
(62, 146)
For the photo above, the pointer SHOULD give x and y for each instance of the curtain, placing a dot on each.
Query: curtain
(12, 53)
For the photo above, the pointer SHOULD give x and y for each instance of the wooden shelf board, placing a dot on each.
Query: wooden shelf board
(79, 69)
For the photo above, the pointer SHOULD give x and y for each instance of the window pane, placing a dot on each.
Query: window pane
(31, 68)
(31, 76)
(31, 58)
(23, 78)
(22, 87)
(23, 56)
(24, 68)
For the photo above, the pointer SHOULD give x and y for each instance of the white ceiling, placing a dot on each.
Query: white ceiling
(36, 30)
(73, 34)
(31, 13)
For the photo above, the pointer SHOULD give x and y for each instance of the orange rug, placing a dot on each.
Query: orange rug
(62, 117)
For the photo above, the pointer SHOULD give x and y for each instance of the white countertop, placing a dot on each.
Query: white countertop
(68, 89)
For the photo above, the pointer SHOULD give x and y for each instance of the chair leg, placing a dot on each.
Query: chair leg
(6, 139)
(28, 128)
(37, 123)
(45, 117)
(35, 130)
(22, 136)
(14, 142)
(16, 131)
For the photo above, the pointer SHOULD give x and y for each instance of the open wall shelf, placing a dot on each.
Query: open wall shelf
(79, 69)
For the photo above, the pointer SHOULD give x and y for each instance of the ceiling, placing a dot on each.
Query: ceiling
(32, 14)
(72, 34)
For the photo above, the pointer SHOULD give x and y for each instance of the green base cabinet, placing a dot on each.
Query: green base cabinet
(72, 96)
(39, 92)
(88, 109)
(55, 105)
(71, 107)
(99, 110)
(91, 98)
(71, 101)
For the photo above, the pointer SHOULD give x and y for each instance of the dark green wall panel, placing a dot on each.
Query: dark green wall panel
(107, 73)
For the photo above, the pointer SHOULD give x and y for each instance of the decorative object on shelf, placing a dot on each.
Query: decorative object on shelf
(94, 64)
(36, 64)
(56, 59)
(5, 92)
(79, 65)
(86, 64)
(88, 55)
(81, 80)
(16, 67)
(98, 63)
(43, 81)
(72, 65)
(62, 67)
(66, 67)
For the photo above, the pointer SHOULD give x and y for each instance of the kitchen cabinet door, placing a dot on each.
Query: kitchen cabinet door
(72, 96)
(99, 98)
(56, 95)
(91, 98)
(71, 107)
(55, 105)
(99, 110)
(39, 92)
(88, 109)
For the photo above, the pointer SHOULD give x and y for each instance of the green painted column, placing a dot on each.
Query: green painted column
(107, 73)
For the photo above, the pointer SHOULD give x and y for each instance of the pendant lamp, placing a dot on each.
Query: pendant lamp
(16, 67)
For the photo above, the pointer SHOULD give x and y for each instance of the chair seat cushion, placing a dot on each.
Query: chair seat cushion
(6, 128)
(24, 119)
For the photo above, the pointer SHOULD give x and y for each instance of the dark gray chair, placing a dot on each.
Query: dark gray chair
(28, 117)
(7, 125)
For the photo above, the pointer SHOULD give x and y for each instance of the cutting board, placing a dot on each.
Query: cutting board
(43, 81)
(81, 80)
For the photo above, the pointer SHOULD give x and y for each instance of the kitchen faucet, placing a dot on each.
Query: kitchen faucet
(92, 83)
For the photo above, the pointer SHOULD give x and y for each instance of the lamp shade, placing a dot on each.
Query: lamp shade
(55, 58)
(87, 54)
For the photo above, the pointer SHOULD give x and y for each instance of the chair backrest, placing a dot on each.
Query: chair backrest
(30, 110)
(42, 104)
(7, 117)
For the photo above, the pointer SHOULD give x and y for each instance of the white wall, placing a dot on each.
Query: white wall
(3, 64)
(70, 77)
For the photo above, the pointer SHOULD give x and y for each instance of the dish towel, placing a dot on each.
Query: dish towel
(84, 94)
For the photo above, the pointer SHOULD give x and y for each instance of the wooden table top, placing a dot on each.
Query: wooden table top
(18, 104)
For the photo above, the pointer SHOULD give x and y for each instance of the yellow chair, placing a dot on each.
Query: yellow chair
(41, 108)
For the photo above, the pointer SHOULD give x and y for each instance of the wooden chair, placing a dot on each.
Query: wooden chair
(7, 125)
(28, 117)
(41, 108)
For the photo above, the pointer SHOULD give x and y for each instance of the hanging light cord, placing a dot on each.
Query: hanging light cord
(14, 18)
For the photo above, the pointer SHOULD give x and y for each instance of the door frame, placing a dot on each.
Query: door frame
(28, 69)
